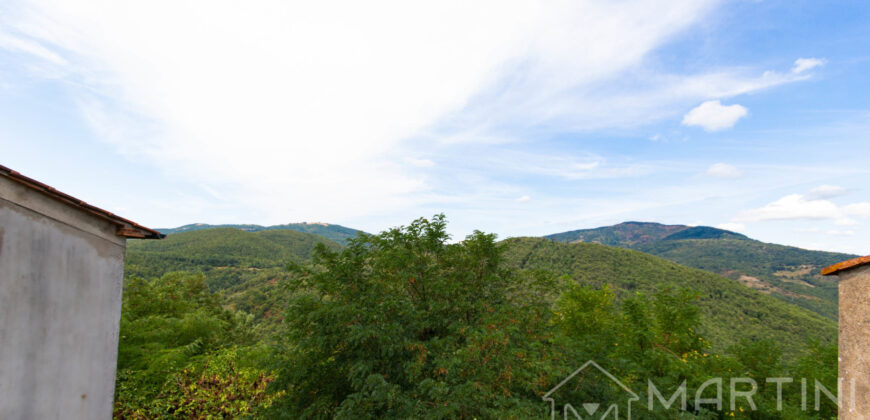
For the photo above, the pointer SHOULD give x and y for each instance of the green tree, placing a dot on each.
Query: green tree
(174, 335)
(819, 364)
(405, 324)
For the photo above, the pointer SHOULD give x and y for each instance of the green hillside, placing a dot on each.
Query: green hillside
(788, 273)
(248, 269)
(625, 234)
(703, 232)
(227, 256)
(246, 266)
(430, 323)
(336, 233)
(730, 311)
(220, 248)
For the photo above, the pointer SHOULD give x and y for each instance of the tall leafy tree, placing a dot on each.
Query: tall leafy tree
(181, 354)
(405, 324)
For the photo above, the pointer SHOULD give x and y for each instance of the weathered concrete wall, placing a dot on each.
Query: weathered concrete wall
(855, 343)
(60, 300)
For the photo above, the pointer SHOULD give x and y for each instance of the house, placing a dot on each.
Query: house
(61, 272)
(573, 405)
(854, 341)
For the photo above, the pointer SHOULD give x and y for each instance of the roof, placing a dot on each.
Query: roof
(126, 228)
(845, 265)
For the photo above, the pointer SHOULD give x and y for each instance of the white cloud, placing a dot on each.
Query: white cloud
(524, 199)
(626, 99)
(840, 232)
(419, 163)
(713, 116)
(563, 166)
(858, 209)
(13, 43)
(808, 230)
(790, 207)
(803, 64)
(302, 110)
(734, 227)
(722, 170)
(826, 191)
(798, 207)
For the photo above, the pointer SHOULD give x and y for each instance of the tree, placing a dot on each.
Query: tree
(174, 334)
(405, 324)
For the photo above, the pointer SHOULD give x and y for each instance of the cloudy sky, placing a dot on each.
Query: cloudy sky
(514, 117)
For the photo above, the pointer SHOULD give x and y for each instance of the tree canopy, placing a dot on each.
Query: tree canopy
(411, 324)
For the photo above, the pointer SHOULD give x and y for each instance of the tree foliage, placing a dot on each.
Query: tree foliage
(405, 324)
(178, 355)
(409, 324)
(729, 311)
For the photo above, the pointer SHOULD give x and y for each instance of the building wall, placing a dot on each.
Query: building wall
(60, 302)
(854, 343)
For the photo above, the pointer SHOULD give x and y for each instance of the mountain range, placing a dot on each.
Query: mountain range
(746, 288)
(730, 311)
(788, 273)
(332, 232)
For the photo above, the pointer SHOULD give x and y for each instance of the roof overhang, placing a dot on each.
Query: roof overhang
(845, 265)
(125, 228)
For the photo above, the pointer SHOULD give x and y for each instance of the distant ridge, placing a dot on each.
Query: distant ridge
(788, 273)
(704, 232)
(626, 234)
(336, 233)
(731, 312)
(249, 270)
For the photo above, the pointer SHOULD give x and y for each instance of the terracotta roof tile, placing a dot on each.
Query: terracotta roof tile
(126, 228)
(845, 265)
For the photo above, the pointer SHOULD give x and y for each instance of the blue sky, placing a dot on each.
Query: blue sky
(518, 118)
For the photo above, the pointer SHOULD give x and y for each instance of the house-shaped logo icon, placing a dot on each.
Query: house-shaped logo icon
(619, 409)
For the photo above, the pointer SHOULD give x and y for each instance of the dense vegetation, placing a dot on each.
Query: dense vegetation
(183, 355)
(247, 268)
(625, 235)
(404, 325)
(220, 252)
(335, 233)
(730, 311)
(703, 232)
(787, 273)
(408, 324)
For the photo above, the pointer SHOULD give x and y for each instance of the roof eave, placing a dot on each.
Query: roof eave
(845, 265)
(126, 228)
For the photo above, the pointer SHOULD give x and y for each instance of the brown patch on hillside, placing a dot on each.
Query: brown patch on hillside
(767, 288)
(798, 275)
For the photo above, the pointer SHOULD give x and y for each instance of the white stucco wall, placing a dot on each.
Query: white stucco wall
(60, 301)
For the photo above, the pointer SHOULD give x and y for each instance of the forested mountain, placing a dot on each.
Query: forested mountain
(245, 267)
(200, 310)
(730, 310)
(703, 232)
(248, 267)
(221, 253)
(788, 273)
(627, 234)
(408, 324)
(635, 234)
(336, 233)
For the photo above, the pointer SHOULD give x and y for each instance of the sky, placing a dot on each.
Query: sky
(515, 117)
